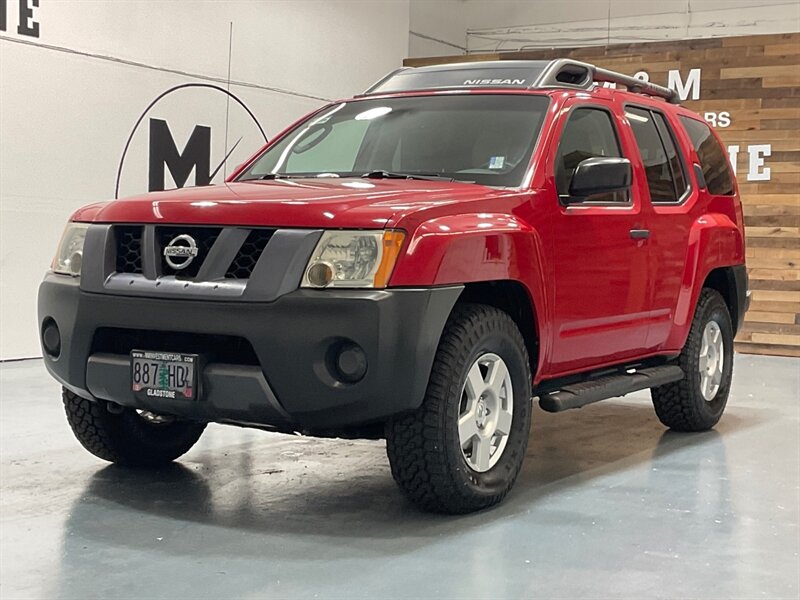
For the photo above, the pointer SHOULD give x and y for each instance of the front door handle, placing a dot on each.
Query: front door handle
(640, 234)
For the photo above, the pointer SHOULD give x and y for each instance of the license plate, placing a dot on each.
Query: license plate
(170, 375)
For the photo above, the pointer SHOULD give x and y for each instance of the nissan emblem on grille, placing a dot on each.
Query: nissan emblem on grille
(180, 252)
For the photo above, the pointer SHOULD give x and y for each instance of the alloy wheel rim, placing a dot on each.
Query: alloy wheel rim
(486, 412)
(711, 361)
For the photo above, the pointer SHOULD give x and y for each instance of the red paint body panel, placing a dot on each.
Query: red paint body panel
(599, 296)
(338, 203)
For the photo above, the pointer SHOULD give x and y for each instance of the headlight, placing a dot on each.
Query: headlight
(353, 259)
(69, 256)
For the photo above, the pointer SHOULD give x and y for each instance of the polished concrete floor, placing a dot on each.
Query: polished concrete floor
(609, 505)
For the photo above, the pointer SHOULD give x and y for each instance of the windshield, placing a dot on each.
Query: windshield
(481, 138)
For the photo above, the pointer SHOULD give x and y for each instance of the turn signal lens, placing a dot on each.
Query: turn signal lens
(392, 243)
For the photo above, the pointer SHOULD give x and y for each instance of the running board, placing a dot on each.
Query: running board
(580, 394)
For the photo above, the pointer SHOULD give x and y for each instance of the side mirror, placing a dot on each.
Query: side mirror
(599, 175)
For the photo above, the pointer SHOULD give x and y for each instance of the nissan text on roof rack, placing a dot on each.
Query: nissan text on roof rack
(419, 263)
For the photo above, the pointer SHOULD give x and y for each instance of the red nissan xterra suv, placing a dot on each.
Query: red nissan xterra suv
(419, 263)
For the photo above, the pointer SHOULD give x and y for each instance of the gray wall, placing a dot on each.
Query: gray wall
(441, 27)
(71, 92)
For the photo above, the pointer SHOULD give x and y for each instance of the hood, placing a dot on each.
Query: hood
(318, 203)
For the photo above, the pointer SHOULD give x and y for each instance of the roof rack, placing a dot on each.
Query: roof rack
(513, 74)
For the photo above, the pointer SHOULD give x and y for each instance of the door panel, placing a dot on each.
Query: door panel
(600, 292)
(672, 198)
(601, 295)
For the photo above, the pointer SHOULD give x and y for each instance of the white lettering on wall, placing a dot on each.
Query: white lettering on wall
(720, 119)
(756, 152)
(691, 86)
(733, 155)
(757, 170)
(689, 89)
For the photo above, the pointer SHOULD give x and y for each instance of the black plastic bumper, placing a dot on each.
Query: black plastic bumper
(290, 384)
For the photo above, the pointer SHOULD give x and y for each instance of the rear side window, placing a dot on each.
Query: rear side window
(589, 133)
(712, 157)
(662, 164)
(671, 148)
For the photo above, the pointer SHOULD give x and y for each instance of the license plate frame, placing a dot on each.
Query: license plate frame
(164, 375)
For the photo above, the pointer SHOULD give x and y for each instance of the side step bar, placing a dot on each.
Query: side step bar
(608, 386)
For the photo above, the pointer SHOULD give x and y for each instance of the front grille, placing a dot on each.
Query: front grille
(203, 236)
(130, 251)
(227, 349)
(129, 248)
(248, 255)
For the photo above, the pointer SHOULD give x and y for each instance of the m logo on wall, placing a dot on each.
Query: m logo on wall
(181, 147)
(164, 155)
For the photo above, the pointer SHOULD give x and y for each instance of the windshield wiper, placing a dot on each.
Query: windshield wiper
(280, 176)
(271, 176)
(394, 175)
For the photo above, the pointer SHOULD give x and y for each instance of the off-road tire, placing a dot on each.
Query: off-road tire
(127, 438)
(423, 446)
(681, 405)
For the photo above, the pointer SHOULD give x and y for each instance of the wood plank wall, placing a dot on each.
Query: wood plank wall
(756, 79)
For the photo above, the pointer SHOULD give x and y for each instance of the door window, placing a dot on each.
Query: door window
(588, 133)
(673, 154)
(663, 166)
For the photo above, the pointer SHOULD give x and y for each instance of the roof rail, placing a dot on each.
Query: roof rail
(513, 74)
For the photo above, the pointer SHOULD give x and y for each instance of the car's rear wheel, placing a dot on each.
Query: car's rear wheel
(128, 436)
(696, 402)
(462, 450)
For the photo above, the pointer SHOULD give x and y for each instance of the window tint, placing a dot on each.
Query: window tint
(713, 160)
(588, 133)
(665, 181)
(675, 162)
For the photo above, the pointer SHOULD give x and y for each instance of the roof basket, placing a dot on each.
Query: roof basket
(513, 74)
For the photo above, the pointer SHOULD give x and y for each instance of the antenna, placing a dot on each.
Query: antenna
(228, 104)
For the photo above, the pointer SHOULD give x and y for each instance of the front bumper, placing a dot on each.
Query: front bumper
(287, 382)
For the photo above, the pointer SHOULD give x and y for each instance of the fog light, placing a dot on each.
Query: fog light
(51, 337)
(351, 363)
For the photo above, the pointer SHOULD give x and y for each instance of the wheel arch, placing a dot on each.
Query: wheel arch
(513, 298)
(731, 283)
(497, 257)
(715, 255)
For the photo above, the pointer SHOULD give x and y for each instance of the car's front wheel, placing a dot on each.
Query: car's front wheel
(462, 450)
(127, 436)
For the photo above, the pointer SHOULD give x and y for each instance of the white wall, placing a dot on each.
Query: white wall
(505, 25)
(69, 99)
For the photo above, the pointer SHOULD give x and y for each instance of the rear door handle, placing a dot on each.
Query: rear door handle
(640, 234)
